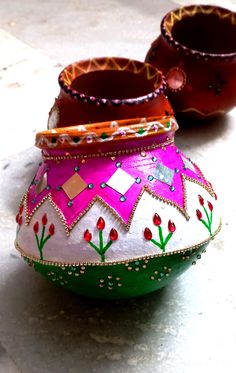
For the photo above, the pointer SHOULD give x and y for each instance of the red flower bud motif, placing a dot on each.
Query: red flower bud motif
(100, 224)
(113, 234)
(17, 218)
(87, 236)
(171, 226)
(147, 234)
(210, 206)
(44, 219)
(51, 229)
(199, 214)
(215, 196)
(201, 200)
(21, 209)
(156, 220)
(36, 227)
(20, 220)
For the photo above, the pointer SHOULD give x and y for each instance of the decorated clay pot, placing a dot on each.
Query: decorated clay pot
(104, 89)
(115, 209)
(197, 52)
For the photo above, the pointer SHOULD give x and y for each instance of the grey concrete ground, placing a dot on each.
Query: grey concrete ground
(185, 328)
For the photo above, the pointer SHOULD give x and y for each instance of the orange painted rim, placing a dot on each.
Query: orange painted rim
(111, 131)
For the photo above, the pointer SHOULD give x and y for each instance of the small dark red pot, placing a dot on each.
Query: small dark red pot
(197, 52)
(104, 89)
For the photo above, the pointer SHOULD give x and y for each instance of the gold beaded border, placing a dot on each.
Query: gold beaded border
(68, 228)
(122, 261)
(207, 187)
(108, 154)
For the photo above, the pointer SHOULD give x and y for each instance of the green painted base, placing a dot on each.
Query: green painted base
(124, 280)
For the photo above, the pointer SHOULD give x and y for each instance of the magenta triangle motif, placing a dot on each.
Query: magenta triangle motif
(161, 172)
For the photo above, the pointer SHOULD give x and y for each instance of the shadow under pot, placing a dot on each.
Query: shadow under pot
(197, 52)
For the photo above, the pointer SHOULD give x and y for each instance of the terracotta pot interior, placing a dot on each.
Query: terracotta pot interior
(206, 33)
(113, 84)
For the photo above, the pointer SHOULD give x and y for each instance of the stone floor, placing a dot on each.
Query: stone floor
(188, 326)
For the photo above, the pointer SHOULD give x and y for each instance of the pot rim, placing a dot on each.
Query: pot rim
(179, 13)
(110, 132)
(72, 71)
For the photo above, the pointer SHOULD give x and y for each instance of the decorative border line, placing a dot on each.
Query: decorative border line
(189, 11)
(108, 154)
(112, 63)
(122, 261)
(192, 109)
(208, 187)
(111, 131)
(68, 228)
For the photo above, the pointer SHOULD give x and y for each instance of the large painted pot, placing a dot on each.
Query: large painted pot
(115, 209)
(197, 52)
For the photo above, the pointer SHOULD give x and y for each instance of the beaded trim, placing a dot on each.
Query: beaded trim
(126, 226)
(122, 261)
(189, 11)
(72, 71)
(107, 154)
(90, 134)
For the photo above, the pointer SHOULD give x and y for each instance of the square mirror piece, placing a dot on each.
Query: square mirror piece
(120, 181)
(164, 174)
(74, 186)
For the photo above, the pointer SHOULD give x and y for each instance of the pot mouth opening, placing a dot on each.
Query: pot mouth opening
(112, 80)
(203, 31)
